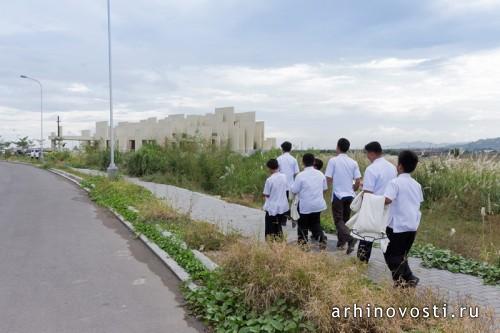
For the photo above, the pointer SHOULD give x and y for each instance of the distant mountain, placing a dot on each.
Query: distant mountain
(419, 145)
(483, 144)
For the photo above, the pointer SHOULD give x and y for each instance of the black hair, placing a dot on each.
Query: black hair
(374, 147)
(286, 146)
(272, 164)
(318, 164)
(408, 160)
(308, 159)
(343, 144)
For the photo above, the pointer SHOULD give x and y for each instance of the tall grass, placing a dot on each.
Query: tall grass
(316, 282)
(455, 189)
(211, 169)
(467, 184)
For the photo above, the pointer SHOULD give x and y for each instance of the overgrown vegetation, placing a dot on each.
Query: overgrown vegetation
(276, 287)
(456, 189)
(270, 275)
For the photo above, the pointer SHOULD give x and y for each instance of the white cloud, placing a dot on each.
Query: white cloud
(453, 7)
(388, 99)
(78, 88)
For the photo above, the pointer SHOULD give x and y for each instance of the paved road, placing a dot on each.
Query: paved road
(69, 266)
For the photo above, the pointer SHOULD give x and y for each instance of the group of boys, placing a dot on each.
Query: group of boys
(382, 178)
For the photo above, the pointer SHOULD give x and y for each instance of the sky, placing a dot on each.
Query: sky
(314, 71)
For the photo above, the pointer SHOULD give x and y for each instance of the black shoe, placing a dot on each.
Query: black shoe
(323, 243)
(350, 246)
(413, 281)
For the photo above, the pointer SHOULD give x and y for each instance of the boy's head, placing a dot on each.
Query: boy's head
(373, 150)
(286, 147)
(272, 165)
(343, 145)
(407, 161)
(318, 164)
(308, 160)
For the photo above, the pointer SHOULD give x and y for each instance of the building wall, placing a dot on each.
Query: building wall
(223, 127)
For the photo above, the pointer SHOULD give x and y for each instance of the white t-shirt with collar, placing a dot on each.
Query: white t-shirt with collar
(343, 170)
(378, 175)
(404, 211)
(275, 190)
(289, 166)
(310, 185)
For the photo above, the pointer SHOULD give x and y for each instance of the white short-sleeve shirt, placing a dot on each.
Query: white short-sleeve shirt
(343, 170)
(310, 185)
(406, 195)
(289, 166)
(275, 192)
(378, 175)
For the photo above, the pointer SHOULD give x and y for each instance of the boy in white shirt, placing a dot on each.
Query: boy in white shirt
(289, 167)
(404, 194)
(276, 204)
(310, 185)
(344, 173)
(377, 175)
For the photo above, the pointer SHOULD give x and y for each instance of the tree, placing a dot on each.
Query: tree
(24, 143)
(3, 144)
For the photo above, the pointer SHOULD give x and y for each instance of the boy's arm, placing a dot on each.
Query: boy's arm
(329, 172)
(391, 192)
(296, 186)
(357, 184)
(296, 169)
(369, 181)
(267, 189)
(357, 178)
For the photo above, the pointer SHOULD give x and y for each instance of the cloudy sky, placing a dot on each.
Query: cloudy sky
(395, 71)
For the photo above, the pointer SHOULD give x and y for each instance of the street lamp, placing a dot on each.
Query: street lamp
(112, 168)
(41, 112)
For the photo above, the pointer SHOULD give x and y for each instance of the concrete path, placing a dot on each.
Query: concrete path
(69, 266)
(250, 222)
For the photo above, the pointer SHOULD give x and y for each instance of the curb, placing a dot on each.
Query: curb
(178, 271)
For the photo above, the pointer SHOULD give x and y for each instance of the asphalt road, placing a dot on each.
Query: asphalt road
(67, 265)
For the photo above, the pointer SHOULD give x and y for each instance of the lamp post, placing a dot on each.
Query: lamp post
(41, 112)
(112, 168)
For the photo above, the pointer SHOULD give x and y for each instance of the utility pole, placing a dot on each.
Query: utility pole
(59, 134)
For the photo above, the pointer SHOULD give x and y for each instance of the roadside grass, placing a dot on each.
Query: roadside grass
(455, 188)
(269, 273)
(470, 237)
(274, 287)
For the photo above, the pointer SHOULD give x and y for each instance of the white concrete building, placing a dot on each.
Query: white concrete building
(223, 127)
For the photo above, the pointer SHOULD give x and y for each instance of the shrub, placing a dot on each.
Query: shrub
(315, 282)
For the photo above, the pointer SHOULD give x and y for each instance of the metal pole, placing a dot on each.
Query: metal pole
(112, 169)
(41, 112)
(41, 121)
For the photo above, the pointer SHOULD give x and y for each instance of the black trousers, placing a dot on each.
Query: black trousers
(310, 222)
(273, 228)
(396, 255)
(364, 250)
(341, 211)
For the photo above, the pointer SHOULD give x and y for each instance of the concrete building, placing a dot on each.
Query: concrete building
(240, 131)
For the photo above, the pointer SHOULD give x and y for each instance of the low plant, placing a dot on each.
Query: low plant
(225, 309)
(445, 259)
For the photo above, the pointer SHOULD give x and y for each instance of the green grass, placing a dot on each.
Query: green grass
(455, 188)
